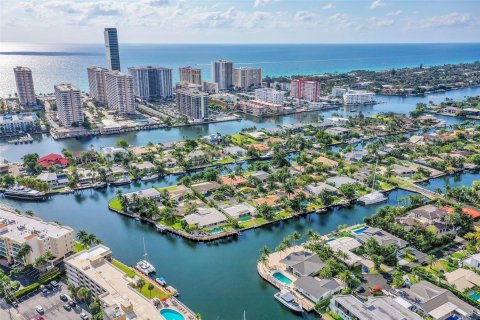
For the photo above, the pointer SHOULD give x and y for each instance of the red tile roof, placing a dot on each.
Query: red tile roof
(468, 211)
(52, 159)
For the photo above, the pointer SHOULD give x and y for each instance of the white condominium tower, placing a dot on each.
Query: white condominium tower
(222, 73)
(120, 95)
(358, 97)
(152, 82)
(25, 89)
(192, 104)
(69, 104)
(191, 75)
(304, 89)
(247, 78)
(111, 49)
(96, 82)
(269, 95)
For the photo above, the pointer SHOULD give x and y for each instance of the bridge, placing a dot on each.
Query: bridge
(417, 189)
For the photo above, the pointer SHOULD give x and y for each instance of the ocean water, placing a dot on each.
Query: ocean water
(56, 63)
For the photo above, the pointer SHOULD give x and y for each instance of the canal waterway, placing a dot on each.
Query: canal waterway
(217, 279)
(44, 143)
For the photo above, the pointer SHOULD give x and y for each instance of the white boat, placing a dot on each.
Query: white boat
(372, 198)
(150, 177)
(144, 266)
(286, 298)
(122, 181)
(161, 281)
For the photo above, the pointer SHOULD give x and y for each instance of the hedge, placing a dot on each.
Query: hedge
(26, 290)
(44, 279)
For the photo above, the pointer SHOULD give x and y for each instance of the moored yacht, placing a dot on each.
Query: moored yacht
(286, 298)
(372, 198)
(25, 194)
(121, 181)
(150, 177)
(144, 266)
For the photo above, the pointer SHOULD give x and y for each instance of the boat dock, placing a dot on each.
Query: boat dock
(23, 139)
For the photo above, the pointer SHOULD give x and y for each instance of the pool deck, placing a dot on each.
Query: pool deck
(274, 264)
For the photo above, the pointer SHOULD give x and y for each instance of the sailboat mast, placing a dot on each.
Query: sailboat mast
(374, 175)
(144, 250)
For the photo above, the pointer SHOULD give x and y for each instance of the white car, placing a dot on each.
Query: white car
(39, 309)
(83, 316)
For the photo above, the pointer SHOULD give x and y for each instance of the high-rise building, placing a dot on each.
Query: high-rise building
(111, 48)
(247, 78)
(25, 89)
(269, 95)
(304, 89)
(152, 82)
(119, 92)
(338, 92)
(222, 73)
(192, 75)
(192, 104)
(69, 104)
(96, 82)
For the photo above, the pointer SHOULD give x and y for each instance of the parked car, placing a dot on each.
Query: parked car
(39, 309)
(54, 284)
(63, 297)
(67, 307)
(72, 303)
(38, 318)
(43, 289)
(49, 286)
(84, 316)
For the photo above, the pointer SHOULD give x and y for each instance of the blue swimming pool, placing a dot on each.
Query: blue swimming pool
(331, 239)
(475, 295)
(360, 230)
(169, 314)
(246, 218)
(282, 278)
(216, 230)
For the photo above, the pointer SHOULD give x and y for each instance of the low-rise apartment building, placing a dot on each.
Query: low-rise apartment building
(12, 123)
(18, 230)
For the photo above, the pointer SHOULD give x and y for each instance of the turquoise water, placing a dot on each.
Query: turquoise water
(243, 219)
(170, 314)
(282, 278)
(216, 230)
(360, 230)
(475, 295)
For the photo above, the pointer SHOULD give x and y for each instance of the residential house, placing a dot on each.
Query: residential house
(53, 159)
(240, 210)
(270, 200)
(150, 193)
(315, 189)
(428, 216)
(303, 263)
(260, 175)
(329, 163)
(346, 245)
(235, 181)
(473, 261)
(206, 188)
(206, 217)
(383, 238)
(337, 131)
(235, 151)
(355, 155)
(317, 289)
(462, 279)
(110, 152)
(337, 182)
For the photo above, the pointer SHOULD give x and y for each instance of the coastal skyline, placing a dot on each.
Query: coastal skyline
(232, 22)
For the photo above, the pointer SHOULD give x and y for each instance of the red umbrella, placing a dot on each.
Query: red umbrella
(378, 288)
(164, 299)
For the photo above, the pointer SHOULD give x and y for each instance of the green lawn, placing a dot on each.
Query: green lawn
(224, 160)
(115, 204)
(156, 292)
(129, 272)
(240, 139)
(79, 247)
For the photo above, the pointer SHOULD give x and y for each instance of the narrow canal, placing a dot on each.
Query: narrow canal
(219, 279)
(44, 144)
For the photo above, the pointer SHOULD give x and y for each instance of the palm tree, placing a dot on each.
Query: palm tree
(140, 283)
(82, 236)
(313, 236)
(24, 251)
(294, 237)
(347, 277)
(264, 253)
(430, 259)
(377, 261)
(84, 294)
(150, 288)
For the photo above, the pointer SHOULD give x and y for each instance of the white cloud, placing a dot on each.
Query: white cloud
(261, 3)
(303, 16)
(449, 20)
(328, 6)
(394, 13)
(381, 22)
(378, 4)
(344, 21)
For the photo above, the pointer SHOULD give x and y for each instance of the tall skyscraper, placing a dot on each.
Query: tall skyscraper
(247, 78)
(152, 82)
(304, 89)
(111, 48)
(119, 92)
(96, 82)
(222, 73)
(192, 75)
(25, 89)
(192, 104)
(69, 104)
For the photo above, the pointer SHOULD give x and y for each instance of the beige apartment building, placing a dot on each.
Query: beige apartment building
(17, 230)
(93, 269)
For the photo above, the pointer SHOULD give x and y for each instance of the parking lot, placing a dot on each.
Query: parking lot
(51, 304)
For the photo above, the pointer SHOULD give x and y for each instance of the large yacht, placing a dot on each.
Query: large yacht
(286, 298)
(372, 198)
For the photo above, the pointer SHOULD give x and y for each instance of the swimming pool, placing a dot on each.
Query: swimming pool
(282, 278)
(216, 230)
(243, 219)
(331, 239)
(360, 230)
(169, 314)
(475, 295)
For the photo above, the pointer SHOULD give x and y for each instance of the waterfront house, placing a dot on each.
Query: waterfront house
(462, 279)
(349, 307)
(48, 177)
(150, 193)
(235, 151)
(260, 175)
(178, 192)
(270, 200)
(198, 157)
(206, 218)
(317, 289)
(214, 139)
(473, 261)
(259, 147)
(355, 156)
(53, 159)
(438, 303)
(141, 151)
(257, 135)
(337, 182)
(303, 263)
(329, 163)
(474, 213)
(346, 245)
(86, 156)
(318, 187)
(206, 188)
(144, 166)
(428, 216)
(110, 152)
(235, 181)
(337, 131)
(240, 210)
(383, 238)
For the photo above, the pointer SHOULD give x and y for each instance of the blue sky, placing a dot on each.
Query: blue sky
(241, 21)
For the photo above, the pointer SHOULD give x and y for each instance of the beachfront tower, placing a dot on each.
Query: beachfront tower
(247, 78)
(111, 48)
(25, 89)
(119, 92)
(152, 82)
(192, 104)
(222, 73)
(190, 75)
(96, 83)
(69, 105)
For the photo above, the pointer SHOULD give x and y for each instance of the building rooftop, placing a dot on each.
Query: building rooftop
(317, 287)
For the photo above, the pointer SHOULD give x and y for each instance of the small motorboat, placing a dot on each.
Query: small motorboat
(150, 177)
(121, 181)
(161, 281)
(286, 298)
